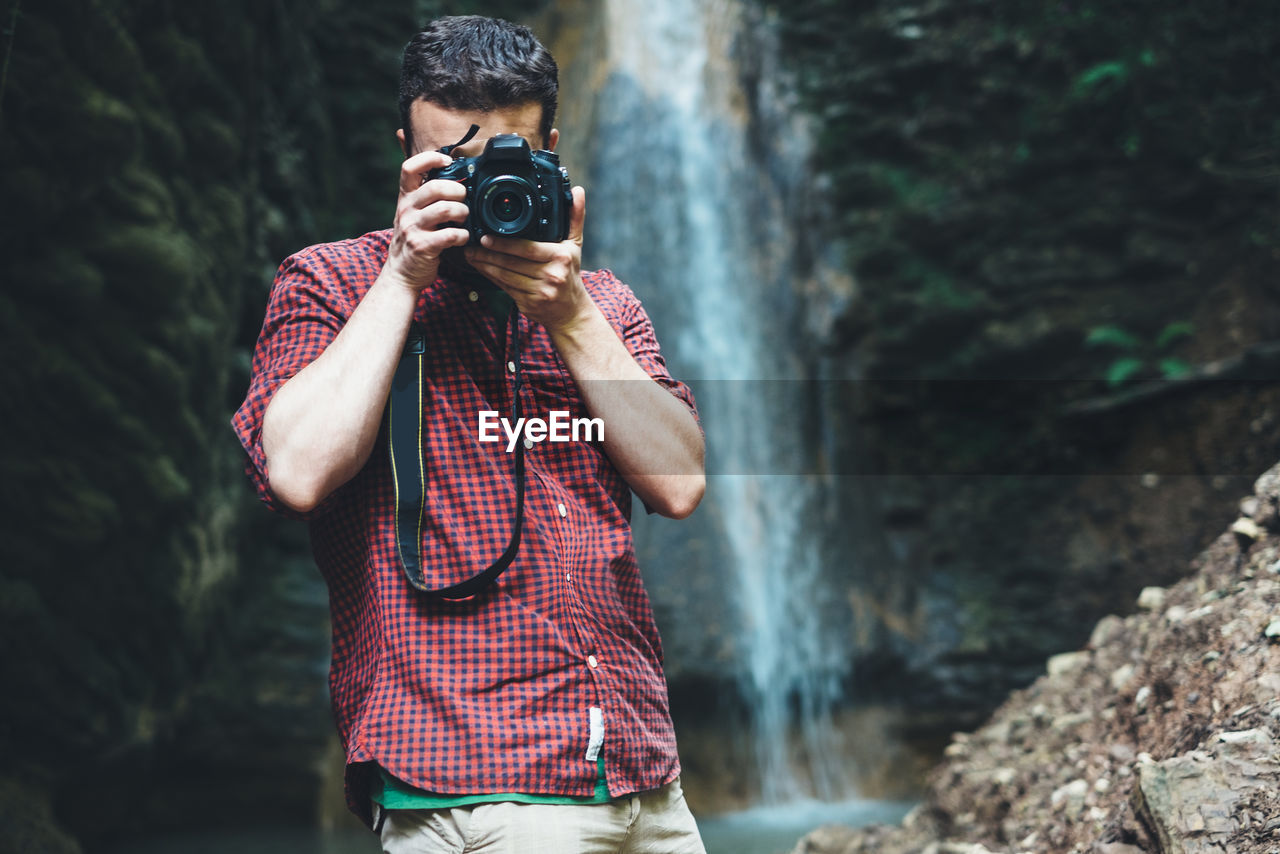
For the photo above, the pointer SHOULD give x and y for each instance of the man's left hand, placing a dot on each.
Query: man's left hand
(542, 278)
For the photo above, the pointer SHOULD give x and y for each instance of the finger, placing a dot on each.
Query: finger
(451, 237)
(434, 191)
(423, 243)
(511, 282)
(521, 248)
(413, 168)
(578, 215)
(503, 261)
(434, 215)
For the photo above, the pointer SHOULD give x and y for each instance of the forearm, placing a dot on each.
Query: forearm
(649, 436)
(321, 425)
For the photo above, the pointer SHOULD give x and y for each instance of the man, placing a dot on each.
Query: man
(531, 715)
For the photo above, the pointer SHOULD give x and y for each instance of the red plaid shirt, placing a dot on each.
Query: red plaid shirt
(492, 694)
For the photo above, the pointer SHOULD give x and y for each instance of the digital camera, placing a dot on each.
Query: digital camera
(513, 191)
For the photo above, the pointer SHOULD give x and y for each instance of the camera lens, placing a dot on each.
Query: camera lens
(507, 207)
(506, 204)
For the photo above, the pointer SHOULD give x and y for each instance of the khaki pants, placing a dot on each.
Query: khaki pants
(654, 822)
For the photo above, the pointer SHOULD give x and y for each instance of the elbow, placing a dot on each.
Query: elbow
(682, 497)
(294, 489)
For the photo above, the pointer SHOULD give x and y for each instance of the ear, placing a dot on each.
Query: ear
(552, 139)
(400, 137)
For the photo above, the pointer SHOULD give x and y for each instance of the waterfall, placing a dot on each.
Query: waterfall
(699, 165)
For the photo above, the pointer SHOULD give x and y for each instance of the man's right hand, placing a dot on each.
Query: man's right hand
(419, 236)
(321, 425)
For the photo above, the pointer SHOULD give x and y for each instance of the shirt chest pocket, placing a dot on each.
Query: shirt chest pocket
(548, 387)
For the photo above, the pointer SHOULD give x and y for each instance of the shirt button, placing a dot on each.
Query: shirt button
(473, 296)
(528, 443)
(511, 366)
(568, 576)
(592, 662)
(564, 511)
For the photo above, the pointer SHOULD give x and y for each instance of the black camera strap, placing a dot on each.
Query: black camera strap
(409, 466)
(448, 149)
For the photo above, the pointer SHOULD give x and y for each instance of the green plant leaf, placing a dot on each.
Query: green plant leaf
(1174, 331)
(1092, 78)
(1172, 369)
(1122, 370)
(1112, 336)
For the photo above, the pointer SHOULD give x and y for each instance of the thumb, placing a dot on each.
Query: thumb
(578, 215)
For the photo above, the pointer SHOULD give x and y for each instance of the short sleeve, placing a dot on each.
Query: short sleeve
(305, 312)
(629, 318)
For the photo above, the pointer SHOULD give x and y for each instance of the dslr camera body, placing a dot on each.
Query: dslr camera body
(513, 191)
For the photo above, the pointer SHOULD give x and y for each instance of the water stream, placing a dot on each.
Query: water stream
(700, 174)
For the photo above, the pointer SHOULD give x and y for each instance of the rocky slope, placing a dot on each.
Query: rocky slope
(1160, 735)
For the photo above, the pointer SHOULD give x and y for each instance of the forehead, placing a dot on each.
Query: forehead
(435, 126)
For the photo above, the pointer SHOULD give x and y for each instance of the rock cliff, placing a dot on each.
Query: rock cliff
(1160, 735)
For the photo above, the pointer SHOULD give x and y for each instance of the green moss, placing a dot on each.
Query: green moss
(138, 193)
(146, 263)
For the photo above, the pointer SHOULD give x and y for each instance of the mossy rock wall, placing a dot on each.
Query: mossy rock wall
(1047, 210)
(163, 639)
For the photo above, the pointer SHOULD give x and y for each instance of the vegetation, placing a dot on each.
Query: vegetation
(157, 159)
(1011, 175)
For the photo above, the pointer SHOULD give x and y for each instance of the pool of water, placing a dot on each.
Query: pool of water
(775, 830)
(763, 830)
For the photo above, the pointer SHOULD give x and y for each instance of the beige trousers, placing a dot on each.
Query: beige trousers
(654, 822)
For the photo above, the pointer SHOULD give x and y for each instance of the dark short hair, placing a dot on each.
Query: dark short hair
(469, 62)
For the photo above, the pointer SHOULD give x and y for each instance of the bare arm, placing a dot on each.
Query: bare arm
(321, 425)
(650, 437)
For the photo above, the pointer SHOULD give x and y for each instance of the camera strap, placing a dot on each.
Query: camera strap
(409, 466)
(448, 149)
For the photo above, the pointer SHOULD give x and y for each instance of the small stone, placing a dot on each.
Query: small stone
(1121, 752)
(1004, 776)
(1152, 598)
(1109, 628)
(1066, 662)
(1140, 699)
(1121, 676)
(1193, 697)
(1211, 655)
(1248, 529)
(1245, 736)
(1272, 631)
(1071, 721)
(1176, 614)
(1249, 506)
(1071, 796)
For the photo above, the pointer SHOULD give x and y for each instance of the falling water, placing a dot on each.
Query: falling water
(701, 220)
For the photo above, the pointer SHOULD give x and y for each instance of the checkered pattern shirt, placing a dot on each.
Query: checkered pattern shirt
(492, 694)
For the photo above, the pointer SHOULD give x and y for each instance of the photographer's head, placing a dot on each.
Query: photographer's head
(469, 65)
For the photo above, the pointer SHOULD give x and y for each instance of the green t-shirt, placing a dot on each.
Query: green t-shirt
(392, 793)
